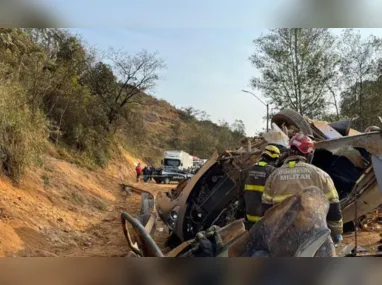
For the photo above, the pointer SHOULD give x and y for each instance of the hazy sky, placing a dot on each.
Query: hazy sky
(206, 68)
(206, 55)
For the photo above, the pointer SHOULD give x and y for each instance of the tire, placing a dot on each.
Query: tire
(343, 127)
(158, 181)
(292, 118)
(167, 180)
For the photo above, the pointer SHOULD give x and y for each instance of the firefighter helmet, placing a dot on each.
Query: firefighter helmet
(303, 143)
(271, 151)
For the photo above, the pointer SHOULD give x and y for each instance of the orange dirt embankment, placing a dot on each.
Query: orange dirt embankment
(61, 209)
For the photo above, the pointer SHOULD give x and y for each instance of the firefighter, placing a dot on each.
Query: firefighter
(255, 181)
(296, 174)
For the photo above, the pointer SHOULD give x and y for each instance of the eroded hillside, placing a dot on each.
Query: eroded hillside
(155, 126)
(61, 209)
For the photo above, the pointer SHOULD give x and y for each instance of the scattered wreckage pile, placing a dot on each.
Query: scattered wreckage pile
(214, 196)
(372, 221)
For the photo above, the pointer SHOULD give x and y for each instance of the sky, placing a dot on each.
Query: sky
(206, 68)
(206, 53)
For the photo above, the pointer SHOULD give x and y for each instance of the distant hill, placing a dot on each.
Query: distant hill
(155, 126)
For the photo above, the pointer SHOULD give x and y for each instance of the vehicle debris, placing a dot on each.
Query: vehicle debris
(215, 192)
(214, 196)
(304, 214)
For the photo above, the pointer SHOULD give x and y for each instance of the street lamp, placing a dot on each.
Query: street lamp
(266, 105)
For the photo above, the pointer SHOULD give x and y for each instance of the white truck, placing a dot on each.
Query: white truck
(178, 159)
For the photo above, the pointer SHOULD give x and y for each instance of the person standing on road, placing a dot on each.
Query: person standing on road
(297, 174)
(138, 170)
(149, 172)
(146, 173)
(256, 176)
(152, 169)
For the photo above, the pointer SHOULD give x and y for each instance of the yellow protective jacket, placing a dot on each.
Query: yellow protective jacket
(256, 177)
(296, 175)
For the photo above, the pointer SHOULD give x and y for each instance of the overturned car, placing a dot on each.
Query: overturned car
(214, 195)
(299, 219)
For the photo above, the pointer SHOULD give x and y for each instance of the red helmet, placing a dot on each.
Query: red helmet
(303, 143)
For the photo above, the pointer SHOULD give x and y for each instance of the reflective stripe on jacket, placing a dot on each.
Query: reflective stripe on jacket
(255, 180)
(296, 175)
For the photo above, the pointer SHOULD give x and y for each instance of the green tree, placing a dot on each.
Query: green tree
(22, 134)
(188, 113)
(296, 66)
(371, 104)
(238, 128)
(359, 63)
(59, 85)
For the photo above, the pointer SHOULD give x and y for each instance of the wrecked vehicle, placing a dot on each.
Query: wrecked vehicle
(214, 195)
(300, 219)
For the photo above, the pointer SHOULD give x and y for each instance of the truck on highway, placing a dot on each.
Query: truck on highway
(177, 159)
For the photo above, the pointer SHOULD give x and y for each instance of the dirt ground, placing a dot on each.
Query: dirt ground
(60, 209)
(367, 240)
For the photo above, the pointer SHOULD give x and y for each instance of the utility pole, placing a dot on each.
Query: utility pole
(262, 102)
(267, 117)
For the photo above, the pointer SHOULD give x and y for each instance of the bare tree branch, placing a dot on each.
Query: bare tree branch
(136, 73)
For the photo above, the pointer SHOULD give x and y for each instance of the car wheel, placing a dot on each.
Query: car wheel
(292, 118)
(158, 181)
(167, 181)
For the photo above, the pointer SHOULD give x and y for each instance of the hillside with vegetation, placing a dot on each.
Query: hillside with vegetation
(56, 91)
(72, 127)
(156, 126)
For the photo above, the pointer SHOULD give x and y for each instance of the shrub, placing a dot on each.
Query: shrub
(22, 133)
